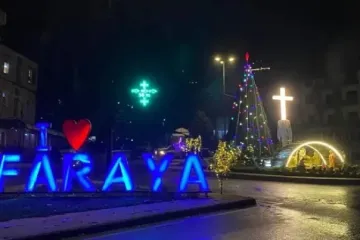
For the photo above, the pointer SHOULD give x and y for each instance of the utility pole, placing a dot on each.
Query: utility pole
(115, 105)
(223, 62)
(2, 27)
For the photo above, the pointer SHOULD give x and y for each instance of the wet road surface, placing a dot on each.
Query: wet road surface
(284, 211)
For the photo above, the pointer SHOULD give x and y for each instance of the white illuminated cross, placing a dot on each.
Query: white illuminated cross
(283, 98)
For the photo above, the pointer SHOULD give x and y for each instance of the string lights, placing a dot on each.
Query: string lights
(225, 157)
(193, 145)
(251, 131)
(144, 93)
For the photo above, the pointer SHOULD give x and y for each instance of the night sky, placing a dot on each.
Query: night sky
(89, 55)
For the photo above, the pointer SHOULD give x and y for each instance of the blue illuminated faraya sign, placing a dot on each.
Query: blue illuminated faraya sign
(118, 172)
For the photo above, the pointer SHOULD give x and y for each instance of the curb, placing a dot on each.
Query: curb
(284, 178)
(295, 179)
(151, 219)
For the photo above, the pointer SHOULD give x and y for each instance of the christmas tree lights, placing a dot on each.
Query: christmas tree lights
(249, 127)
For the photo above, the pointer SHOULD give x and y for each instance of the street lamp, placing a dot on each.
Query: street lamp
(223, 63)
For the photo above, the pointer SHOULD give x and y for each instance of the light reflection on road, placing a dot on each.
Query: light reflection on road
(284, 211)
(255, 223)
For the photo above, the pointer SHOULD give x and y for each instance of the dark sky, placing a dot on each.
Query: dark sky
(280, 31)
(85, 41)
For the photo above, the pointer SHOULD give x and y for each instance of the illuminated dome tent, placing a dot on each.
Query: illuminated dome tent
(309, 154)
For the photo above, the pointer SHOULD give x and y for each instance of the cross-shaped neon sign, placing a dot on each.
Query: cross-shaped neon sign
(283, 99)
(144, 93)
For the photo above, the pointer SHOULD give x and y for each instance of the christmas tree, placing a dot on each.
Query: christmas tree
(248, 127)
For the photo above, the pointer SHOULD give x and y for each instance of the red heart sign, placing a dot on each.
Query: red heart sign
(76, 132)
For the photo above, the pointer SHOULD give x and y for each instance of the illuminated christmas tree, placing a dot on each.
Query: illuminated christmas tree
(249, 128)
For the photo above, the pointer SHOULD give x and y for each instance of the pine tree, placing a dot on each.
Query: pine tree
(249, 128)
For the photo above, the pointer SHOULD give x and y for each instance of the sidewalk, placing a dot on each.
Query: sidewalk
(97, 221)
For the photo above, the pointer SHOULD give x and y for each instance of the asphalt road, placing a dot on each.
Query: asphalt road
(284, 211)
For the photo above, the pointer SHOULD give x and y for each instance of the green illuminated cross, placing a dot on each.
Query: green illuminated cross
(144, 93)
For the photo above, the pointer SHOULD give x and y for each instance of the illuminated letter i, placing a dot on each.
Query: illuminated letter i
(42, 161)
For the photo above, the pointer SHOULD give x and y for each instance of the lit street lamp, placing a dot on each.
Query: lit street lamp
(223, 63)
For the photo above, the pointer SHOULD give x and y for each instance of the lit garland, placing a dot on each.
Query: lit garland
(193, 145)
(188, 144)
(251, 122)
(224, 158)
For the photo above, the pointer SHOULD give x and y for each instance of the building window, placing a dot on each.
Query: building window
(30, 75)
(329, 99)
(19, 70)
(352, 97)
(21, 111)
(17, 106)
(6, 67)
(331, 119)
(311, 119)
(353, 117)
(3, 98)
(309, 99)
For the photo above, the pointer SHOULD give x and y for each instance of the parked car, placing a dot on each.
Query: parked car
(170, 149)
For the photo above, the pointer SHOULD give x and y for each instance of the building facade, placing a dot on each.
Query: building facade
(18, 87)
(18, 84)
(331, 112)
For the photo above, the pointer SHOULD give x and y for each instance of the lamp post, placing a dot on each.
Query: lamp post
(230, 60)
(223, 62)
